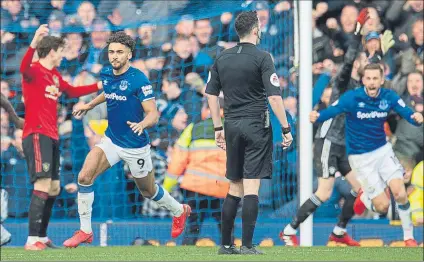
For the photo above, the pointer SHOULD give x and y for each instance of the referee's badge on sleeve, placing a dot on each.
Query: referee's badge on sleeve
(274, 80)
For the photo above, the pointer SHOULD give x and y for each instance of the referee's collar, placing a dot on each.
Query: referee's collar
(245, 43)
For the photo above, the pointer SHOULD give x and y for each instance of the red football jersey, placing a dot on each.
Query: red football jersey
(41, 88)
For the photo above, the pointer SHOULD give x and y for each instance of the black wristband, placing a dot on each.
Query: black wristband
(286, 130)
(218, 128)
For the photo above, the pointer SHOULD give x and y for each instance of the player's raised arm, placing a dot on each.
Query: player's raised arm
(5, 103)
(82, 109)
(25, 68)
(404, 111)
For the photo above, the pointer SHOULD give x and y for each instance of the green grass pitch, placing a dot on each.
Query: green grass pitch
(184, 253)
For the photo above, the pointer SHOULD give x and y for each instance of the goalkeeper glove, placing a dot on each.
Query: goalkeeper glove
(387, 41)
(360, 21)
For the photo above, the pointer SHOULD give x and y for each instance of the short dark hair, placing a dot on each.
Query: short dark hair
(122, 38)
(47, 44)
(374, 66)
(245, 22)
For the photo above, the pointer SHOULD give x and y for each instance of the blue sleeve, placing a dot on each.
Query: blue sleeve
(400, 107)
(340, 106)
(145, 91)
(319, 87)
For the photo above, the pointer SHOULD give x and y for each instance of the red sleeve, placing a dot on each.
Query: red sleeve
(25, 68)
(77, 91)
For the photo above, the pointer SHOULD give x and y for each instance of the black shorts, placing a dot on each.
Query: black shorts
(330, 158)
(249, 149)
(42, 155)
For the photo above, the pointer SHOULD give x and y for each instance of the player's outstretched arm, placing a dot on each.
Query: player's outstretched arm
(18, 121)
(150, 119)
(404, 111)
(77, 91)
(81, 109)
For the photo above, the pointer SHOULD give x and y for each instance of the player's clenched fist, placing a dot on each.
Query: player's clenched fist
(418, 117)
(136, 127)
(313, 116)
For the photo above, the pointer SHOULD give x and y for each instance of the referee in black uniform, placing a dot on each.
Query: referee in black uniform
(246, 76)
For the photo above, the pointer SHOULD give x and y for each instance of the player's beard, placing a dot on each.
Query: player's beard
(118, 65)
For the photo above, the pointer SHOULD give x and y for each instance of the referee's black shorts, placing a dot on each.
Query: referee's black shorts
(249, 149)
(42, 155)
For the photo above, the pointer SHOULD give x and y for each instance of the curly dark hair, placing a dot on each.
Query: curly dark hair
(122, 38)
(245, 22)
(48, 43)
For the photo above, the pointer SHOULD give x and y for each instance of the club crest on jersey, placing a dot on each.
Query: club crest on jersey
(383, 104)
(124, 85)
(56, 81)
(105, 82)
(361, 104)
(274, 80)
(46, 167)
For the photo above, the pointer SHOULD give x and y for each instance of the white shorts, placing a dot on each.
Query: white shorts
(138, 159)
(376, 169)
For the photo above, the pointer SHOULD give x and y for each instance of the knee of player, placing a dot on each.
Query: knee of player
(324, 193)
(382, 207)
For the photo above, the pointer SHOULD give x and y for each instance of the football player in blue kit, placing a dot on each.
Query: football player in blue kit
(370, 155)
(131, 110)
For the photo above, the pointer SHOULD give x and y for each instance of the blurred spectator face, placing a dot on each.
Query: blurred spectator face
(145, 32)
(415, 84)
(179, 122)
(18, 139)
(170, 89)
(348, 18)
(100, 34)
(58, 4)
(373, 23)
(418, 32)
(326, 95)
(203, 31)
(360, 63)
(194, 45)
(5, 90)
(263, 16)
(87, 13)
(14, 7)
(417, 5)
(185, 27)
(182, 47)
(74, 41)
(373, 45)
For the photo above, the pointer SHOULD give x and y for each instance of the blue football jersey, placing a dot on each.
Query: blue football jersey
(124, 95)
(365, 117)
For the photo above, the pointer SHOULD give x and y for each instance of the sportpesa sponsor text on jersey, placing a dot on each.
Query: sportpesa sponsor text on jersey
(124, 95)
(365, 117)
